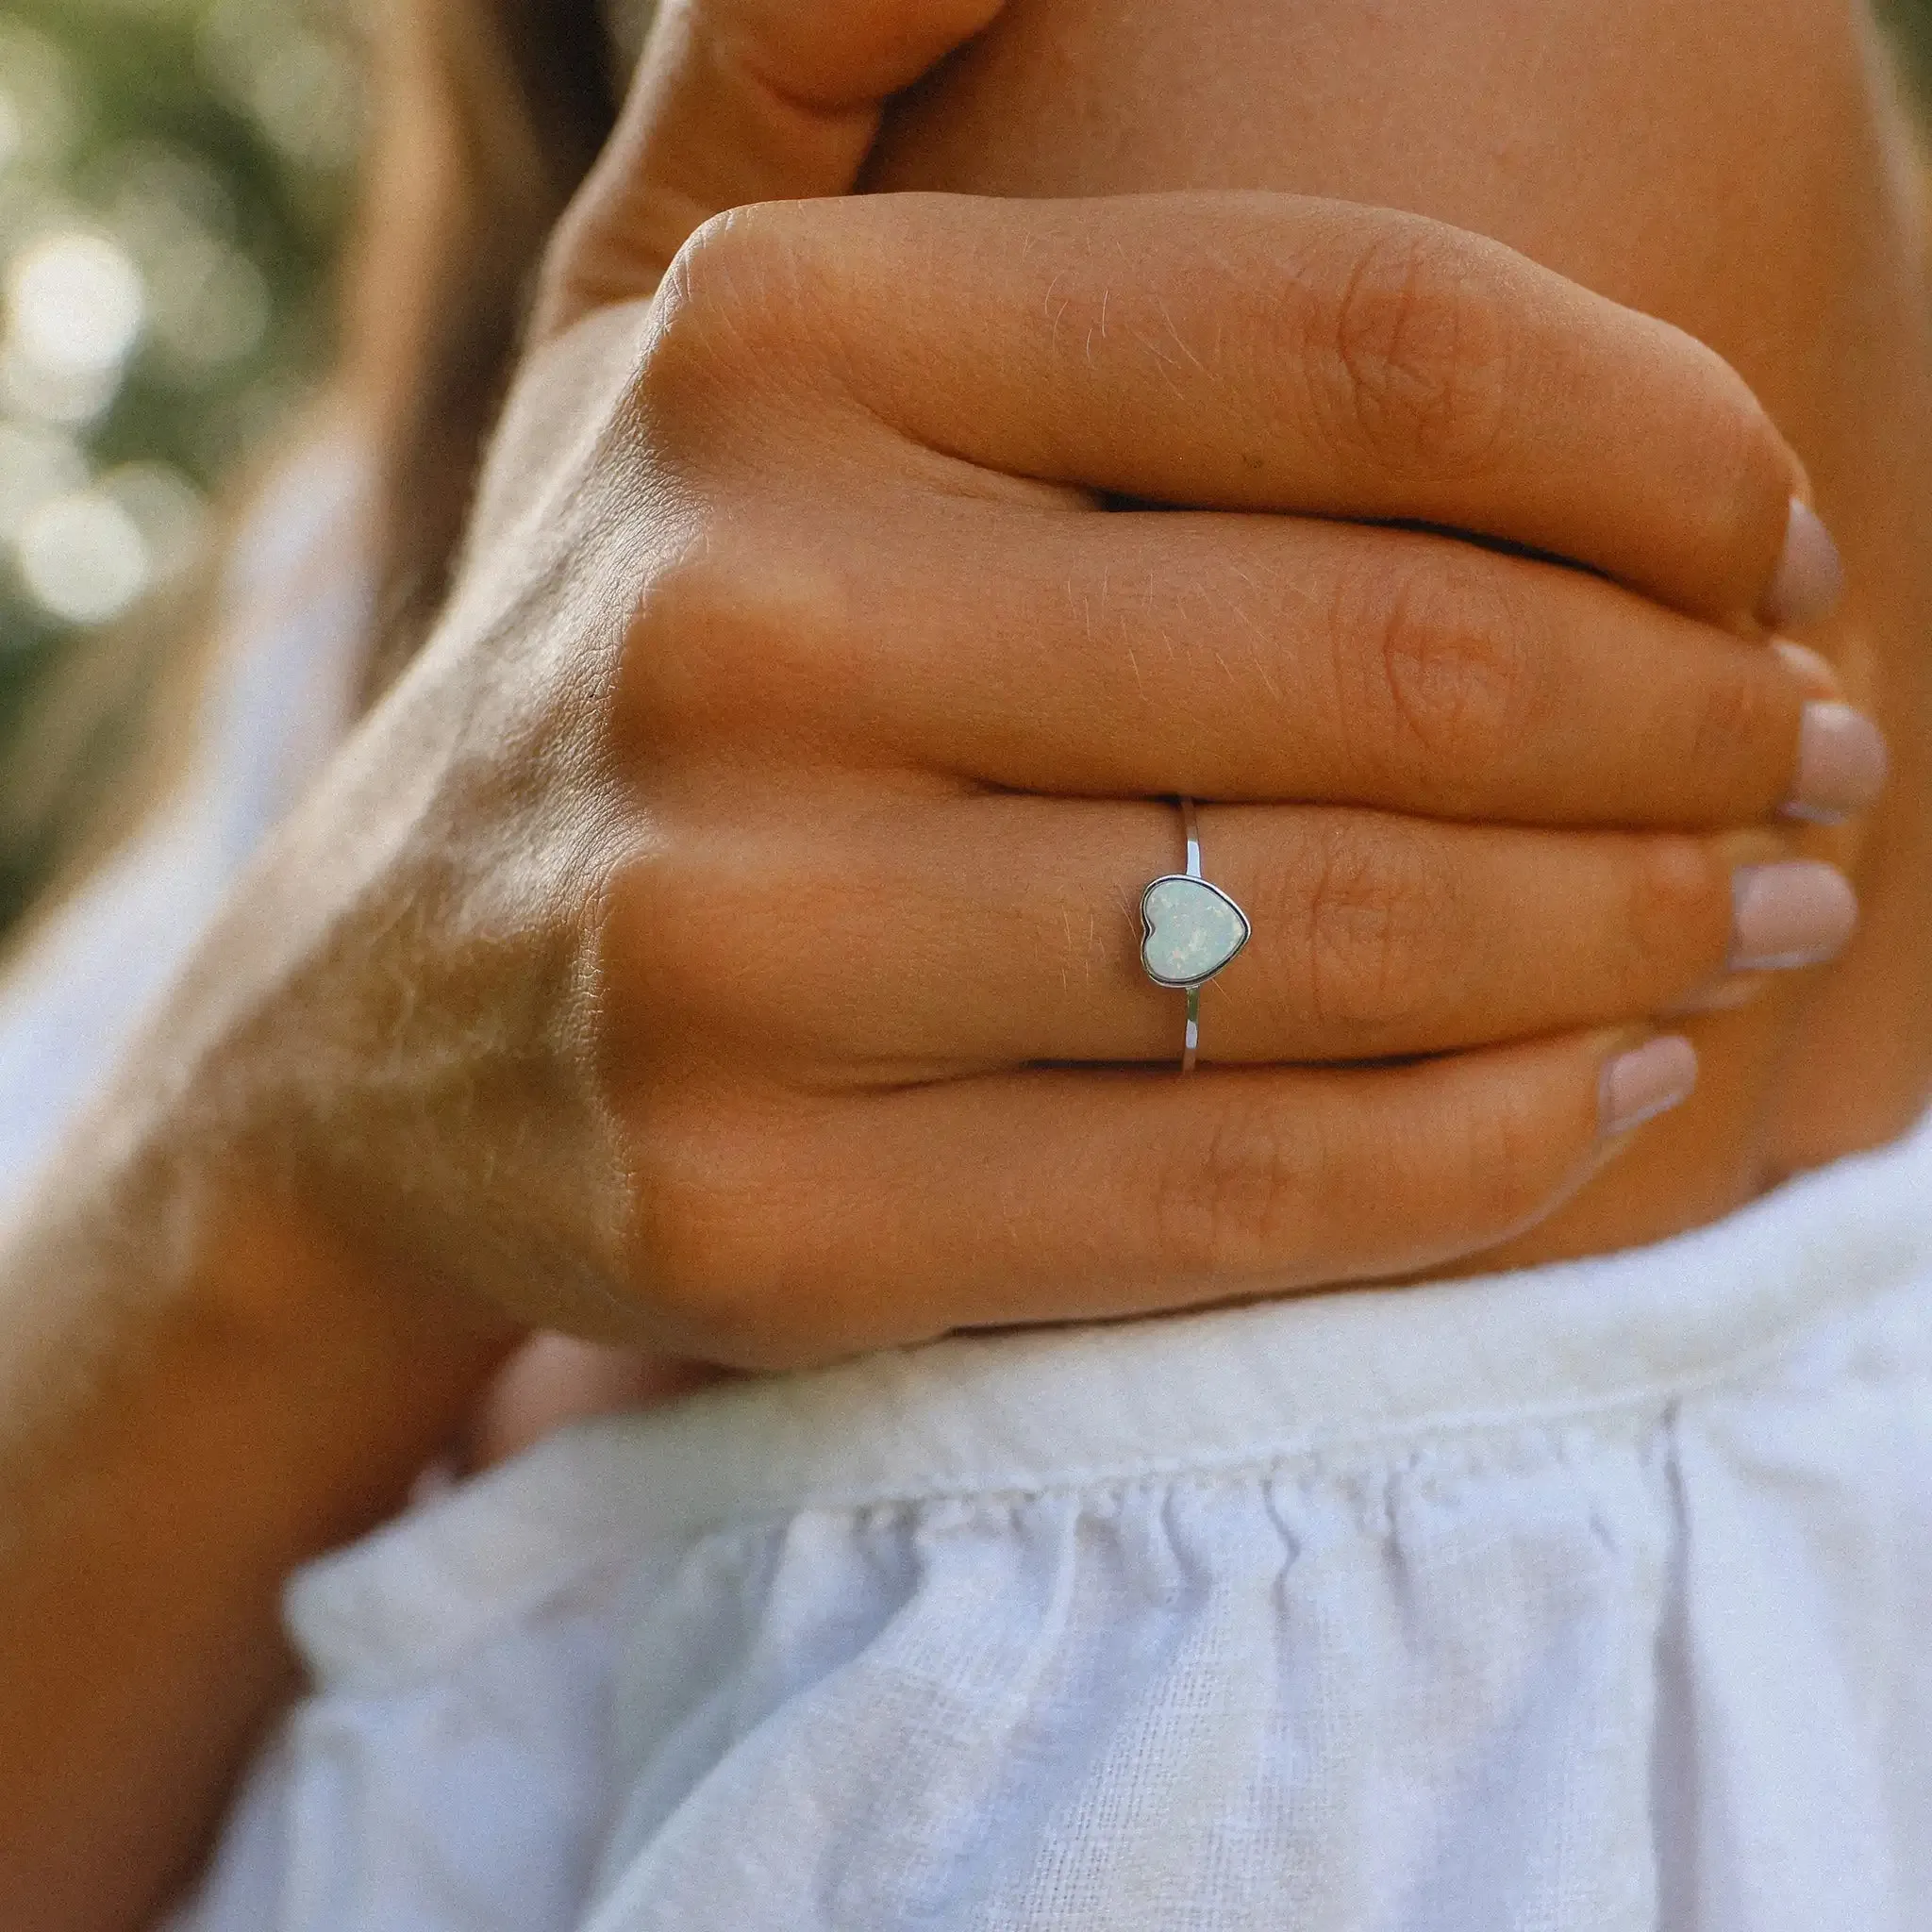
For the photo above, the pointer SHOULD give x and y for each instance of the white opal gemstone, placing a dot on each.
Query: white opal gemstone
(1193, 930)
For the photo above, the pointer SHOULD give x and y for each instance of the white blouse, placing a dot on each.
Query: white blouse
(1590, 1598)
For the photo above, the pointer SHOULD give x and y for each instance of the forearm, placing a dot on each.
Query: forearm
(199, 1394)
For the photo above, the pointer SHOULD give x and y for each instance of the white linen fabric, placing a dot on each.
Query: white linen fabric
(1590, 1598)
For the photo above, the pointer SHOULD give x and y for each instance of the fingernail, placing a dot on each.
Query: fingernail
(1842, 765)
(1646, 1081)
(1809, 578)
(1795, 913)
(1816, 672)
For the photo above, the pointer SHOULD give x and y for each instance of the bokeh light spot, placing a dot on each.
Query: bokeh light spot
(37, 463)
(211, 307)
(302, 86)
(69, 397)
(44, 91)
(82, 557)
(75, 303)
(168, 510)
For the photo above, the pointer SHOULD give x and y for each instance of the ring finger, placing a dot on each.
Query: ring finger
(988, 931)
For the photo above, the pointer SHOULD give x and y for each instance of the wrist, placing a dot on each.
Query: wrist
(185, 1295)
(371, 1365)
(204, 1387)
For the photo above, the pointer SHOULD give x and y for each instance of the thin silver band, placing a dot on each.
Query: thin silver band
(1189, 929)
(1191, 829)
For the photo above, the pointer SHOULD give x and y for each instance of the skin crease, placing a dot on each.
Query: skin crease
(1773, 216)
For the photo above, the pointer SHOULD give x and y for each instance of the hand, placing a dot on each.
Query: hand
(724, 938)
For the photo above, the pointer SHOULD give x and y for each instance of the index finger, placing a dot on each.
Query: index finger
(736, 101)
(1271, 352)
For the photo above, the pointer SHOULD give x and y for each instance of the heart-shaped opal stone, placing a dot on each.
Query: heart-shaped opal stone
(1193, 930)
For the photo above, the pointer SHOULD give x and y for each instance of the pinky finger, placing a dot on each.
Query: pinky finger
(1053, 1195)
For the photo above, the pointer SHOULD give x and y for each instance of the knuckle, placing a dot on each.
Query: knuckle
(722, 283)
(1374, 913)
(1677, 909)
(696, 1275)
(681, 636)
(1507, 1161)
(669, 944)
(694, 342)
(690, 1240)
(1743, 726)
(676, 1254)
(717, 948)
(1230, 1206)
(1442, 661)
(1420, 353)
(743, 300)
(736, 635)
(1746, 483)
(714, 1249)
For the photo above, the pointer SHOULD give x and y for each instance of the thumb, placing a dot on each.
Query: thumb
(737, 101)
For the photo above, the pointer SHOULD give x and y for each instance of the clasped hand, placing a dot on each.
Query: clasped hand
(724, 938)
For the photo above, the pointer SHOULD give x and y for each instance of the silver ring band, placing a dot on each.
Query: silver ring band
(1190, 929)
(1190, 831)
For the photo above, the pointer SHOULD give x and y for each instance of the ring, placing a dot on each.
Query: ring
(1191, 930)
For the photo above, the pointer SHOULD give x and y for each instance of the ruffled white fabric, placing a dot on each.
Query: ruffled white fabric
(1588, 1597)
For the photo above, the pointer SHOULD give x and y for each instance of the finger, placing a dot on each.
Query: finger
(738, 101)
(1053, 1195)
(988, 932)
(1373, 936)
(1266, 658)
(555, 1380)
(1279, 353)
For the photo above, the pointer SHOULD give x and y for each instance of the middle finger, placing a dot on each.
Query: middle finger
(1278, 659)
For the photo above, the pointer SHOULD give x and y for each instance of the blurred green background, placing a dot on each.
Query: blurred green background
(174, 174)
